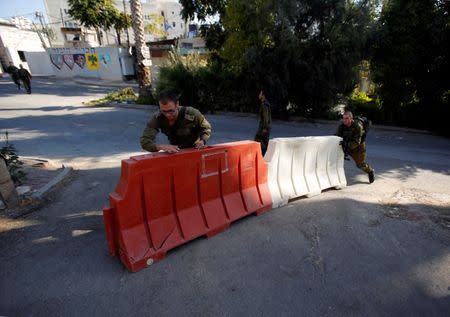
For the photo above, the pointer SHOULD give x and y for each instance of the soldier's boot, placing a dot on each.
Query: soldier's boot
(371, 176)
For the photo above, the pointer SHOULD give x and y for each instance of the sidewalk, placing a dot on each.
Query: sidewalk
(100, 82)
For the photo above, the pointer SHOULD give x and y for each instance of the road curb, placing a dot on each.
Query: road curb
(89, 82)
(52, 183)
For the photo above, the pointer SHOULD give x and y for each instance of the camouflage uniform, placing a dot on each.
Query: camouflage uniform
(189, 128)
(265, 124)
(353, 146)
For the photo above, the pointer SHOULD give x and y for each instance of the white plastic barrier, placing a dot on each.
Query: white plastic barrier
(303, 166)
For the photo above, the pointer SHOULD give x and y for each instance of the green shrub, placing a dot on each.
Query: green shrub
(361, 104)
(125, 94)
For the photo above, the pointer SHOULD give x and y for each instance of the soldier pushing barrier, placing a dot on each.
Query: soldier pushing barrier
(185, 127)
(353, 134)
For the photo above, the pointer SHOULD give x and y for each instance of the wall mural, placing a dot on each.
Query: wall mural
(56, 60)
(85, 58)
(68, 60)
(92, 61)
(79, 59)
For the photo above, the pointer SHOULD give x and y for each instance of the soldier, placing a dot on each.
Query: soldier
(265, 122)
(185, 127)
(353, 144)
(25, 76)
(13, 71)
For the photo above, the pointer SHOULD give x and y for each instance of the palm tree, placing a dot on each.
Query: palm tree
(142, 51)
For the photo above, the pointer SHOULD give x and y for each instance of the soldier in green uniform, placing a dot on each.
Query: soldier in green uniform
(185, 127)
(265, 122)
(352, 132)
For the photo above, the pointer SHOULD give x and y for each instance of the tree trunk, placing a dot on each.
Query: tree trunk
(143, 72)
(118, 38)
(99, 36)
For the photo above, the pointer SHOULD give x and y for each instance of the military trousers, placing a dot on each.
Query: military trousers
(263, 139)
(359, 156)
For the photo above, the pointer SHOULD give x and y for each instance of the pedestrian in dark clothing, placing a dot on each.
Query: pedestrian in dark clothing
(14, 72)
(25, 77)
(265, 122)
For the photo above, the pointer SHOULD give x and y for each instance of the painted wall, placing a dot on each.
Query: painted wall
(14, 40)
(107, 63)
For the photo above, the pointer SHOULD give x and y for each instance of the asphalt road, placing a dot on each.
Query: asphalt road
(366, 250)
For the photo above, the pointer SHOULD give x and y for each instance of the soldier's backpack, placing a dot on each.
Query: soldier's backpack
(366, 124)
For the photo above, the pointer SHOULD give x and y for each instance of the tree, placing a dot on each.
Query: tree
(155, 27)
(120, 22)
(307, 51)
(410, 62)
(95, 14)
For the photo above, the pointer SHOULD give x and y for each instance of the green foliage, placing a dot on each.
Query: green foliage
(125, 94)
(410, 63)
(9, 154)
(361, 104)
(155, 28)
(207, 87)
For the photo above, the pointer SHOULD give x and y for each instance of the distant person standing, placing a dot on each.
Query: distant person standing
(353, 142)
(14, 72)
(265, 122)
(25, 77)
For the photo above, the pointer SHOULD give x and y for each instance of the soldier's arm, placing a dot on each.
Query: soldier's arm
(355, 139)
(149, 135)
(339, 131)
(204, 127)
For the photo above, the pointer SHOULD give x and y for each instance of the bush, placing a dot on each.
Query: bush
(9, 154)
(360, 103)
(207, 86)
(125, 94)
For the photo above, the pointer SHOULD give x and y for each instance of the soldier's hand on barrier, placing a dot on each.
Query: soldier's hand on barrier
(168, 148)
(200, 144)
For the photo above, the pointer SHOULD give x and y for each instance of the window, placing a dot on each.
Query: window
(22, 56)
(65, 11)
(162, 13)
(173, 13)
(181, 25)
(173, 24)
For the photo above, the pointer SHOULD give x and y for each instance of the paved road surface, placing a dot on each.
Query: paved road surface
(366, 250)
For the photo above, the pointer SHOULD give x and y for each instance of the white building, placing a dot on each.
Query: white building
(22, 23)
(164, 16)
(17, 45)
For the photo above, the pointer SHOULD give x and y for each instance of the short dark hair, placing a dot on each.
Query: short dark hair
(167, 95)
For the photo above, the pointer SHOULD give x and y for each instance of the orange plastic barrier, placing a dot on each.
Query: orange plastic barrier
(164, 200)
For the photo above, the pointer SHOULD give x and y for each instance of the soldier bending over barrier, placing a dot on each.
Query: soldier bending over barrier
(185, 127)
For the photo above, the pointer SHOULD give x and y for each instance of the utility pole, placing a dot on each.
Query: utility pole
(142, 50)
(39, 15)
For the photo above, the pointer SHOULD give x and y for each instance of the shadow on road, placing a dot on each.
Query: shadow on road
(323, 256)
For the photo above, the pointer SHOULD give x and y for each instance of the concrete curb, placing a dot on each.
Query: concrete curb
(52, 183)
(90, 82)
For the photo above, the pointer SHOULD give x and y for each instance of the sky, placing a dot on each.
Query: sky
(9, 8)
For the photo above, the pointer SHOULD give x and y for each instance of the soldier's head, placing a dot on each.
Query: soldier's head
(20, 65)
(169, 103)
(347, 118)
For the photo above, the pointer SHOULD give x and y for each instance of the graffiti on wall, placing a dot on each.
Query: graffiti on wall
(85, 58)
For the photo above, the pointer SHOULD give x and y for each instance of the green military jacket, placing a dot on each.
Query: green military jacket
(191, 126)
(265, 117)
(351, 135)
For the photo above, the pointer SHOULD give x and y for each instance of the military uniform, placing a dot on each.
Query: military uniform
(354, 145)
(14, 71)
(189, 128)
(25, 76)
(265, 124)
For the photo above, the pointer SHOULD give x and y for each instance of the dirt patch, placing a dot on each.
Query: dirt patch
(38, 172)
(412, 204)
